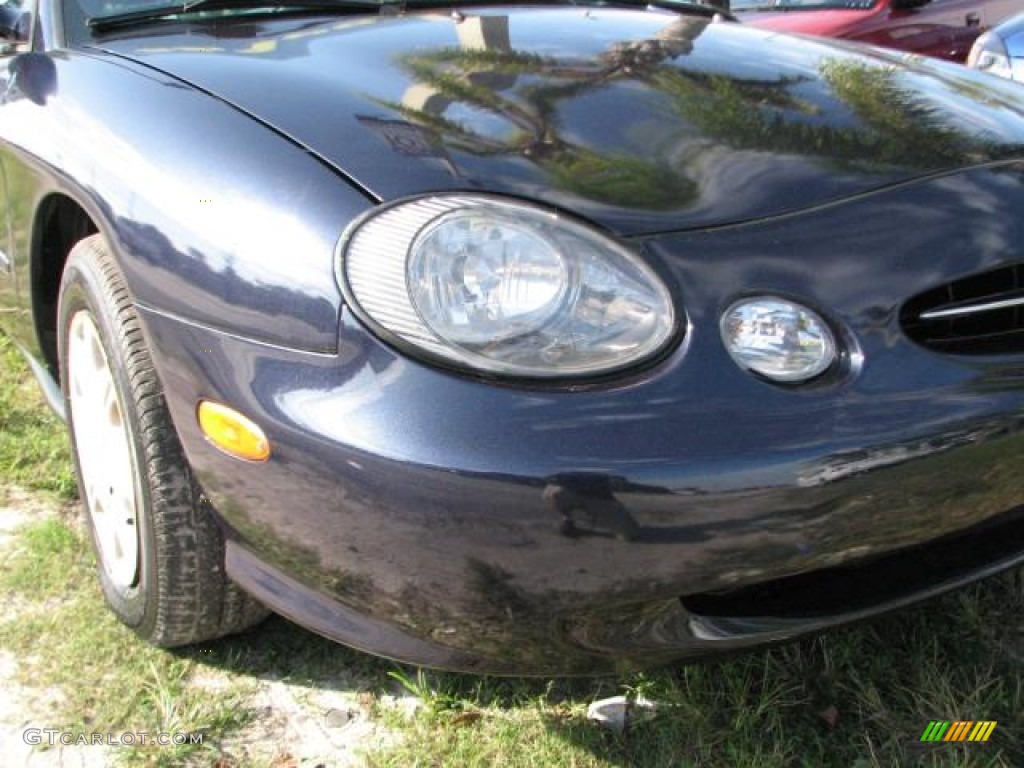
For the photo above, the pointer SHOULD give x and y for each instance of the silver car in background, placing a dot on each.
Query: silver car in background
(1000, 51)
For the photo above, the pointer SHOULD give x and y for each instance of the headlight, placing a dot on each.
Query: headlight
(989, 54)
(778, 339)
(505, 288)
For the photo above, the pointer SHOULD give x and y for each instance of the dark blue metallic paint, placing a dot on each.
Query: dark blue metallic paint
(178, 218)
(456, 521)
(726, 123)
(692, 477)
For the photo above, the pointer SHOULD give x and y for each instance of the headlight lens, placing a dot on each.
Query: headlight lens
(778, 339)
(478, 278)
(989, 54)
(506, 288)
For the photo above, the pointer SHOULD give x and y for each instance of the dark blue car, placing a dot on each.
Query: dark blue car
(532, 338)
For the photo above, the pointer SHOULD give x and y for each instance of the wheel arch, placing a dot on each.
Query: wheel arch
(59, 223)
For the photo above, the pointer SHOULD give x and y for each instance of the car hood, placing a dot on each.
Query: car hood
(641, 121)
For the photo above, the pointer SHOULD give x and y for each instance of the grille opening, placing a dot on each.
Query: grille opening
(873, 581)
(980, 314)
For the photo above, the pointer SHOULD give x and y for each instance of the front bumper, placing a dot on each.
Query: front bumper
(693, 508)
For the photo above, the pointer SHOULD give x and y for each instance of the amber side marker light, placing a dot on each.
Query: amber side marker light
(232, 432)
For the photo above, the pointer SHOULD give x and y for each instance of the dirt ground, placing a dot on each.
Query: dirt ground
(295, 726)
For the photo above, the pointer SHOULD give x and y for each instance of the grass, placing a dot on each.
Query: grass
(853, 698)
(108, 682)
(33, 450)
(105, 680)
(859, 697)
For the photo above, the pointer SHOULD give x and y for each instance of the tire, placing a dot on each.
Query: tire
(159, 551)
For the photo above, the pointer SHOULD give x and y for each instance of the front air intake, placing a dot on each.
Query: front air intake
(981, 314)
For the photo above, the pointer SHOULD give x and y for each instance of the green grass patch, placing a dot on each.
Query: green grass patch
(851, 699)
(45, 560)
(34, 450)
(65, 639)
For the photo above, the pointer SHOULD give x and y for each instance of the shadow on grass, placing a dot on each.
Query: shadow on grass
(861, 696)
(277, 649)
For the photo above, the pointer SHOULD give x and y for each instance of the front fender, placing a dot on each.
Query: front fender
(214, 217)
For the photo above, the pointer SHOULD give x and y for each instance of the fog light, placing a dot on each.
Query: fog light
(232, 432)
(778, 339)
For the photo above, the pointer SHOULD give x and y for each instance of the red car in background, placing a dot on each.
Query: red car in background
(942, 28)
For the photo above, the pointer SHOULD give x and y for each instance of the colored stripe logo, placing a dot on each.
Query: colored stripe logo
(960, 730)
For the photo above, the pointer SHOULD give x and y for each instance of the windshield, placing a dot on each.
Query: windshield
(803, 5)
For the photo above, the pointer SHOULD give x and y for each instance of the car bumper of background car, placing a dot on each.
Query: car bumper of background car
(686, 510)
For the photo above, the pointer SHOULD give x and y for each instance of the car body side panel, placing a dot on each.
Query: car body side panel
(938, 29)
(29, 183)
(15, 302)
(6, 234)
(207, 234)
(944, 29)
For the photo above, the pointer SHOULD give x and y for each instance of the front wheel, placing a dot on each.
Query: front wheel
(160, 552)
